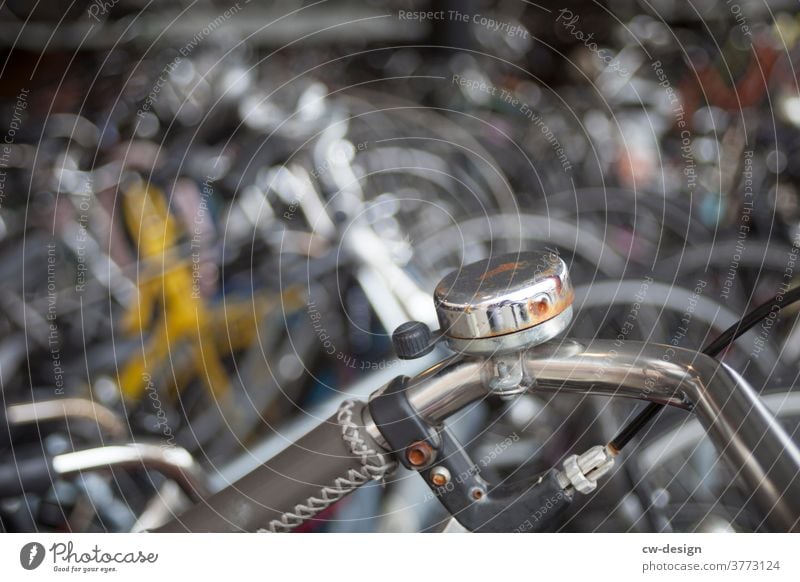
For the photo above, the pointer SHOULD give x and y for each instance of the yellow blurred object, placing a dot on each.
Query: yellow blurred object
(786, 30)
(166, 299)
(172, 307)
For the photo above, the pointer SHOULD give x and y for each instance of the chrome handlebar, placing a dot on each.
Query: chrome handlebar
(754, 445)
(501, 317)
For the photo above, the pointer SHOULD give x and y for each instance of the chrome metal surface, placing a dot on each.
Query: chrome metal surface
(635, 370)
(174, 462)
(503, 295)
(581, 472)
(513, 342)
(744, 432)
(510, 379)
(452, 384)
(67, 408)
(681, 440)
(432, 393)
(168, 502)
(753, 443)
(440, 476)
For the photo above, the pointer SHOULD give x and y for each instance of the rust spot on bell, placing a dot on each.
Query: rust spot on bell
(540, 307)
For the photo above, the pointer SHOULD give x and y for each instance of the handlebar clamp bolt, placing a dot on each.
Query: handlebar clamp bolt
(419, 453)
(440, 476)
(509, 380)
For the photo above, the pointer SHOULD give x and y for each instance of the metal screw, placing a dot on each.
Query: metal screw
(419, 453)
(440, 476)
(477, 494)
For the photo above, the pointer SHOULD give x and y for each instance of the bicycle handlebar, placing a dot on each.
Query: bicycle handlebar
(322, 467)
(755, 446)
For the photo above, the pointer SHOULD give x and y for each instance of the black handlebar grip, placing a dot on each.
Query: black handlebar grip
(278, 486)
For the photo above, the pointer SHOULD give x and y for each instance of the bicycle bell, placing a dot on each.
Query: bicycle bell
(505, 303)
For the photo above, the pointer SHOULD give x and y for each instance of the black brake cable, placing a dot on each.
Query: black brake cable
(727, 337)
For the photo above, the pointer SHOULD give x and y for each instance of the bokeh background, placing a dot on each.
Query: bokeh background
(212, 216)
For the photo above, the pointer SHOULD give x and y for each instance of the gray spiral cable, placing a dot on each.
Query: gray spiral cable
(374, 466)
